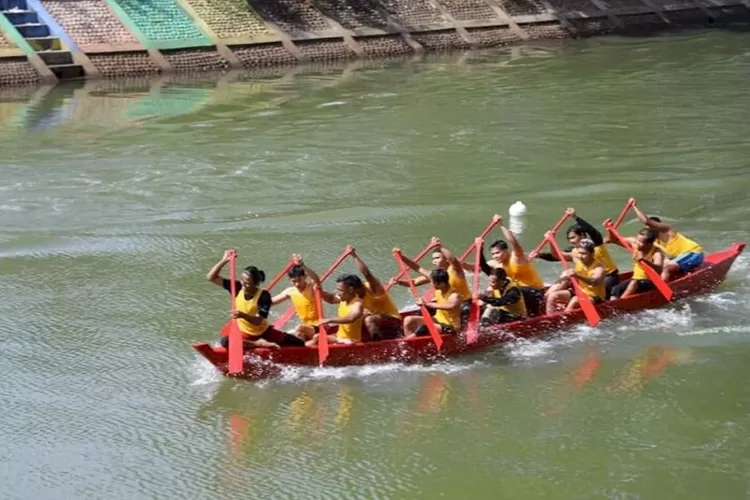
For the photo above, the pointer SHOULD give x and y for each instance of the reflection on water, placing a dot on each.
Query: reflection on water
(116, 105)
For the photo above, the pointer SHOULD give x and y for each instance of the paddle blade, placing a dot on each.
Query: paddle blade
(658, 282)
(236, 354)
(431, 327)
(322, 335)
(587, 305)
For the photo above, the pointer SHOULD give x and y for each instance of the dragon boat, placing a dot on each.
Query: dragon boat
(263, 362)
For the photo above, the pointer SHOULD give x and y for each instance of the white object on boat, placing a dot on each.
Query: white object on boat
(517, 209)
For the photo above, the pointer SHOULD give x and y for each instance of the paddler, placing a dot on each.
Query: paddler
(583, 230)
(589, 273)
(647, 252)
(517, 266)
(503, 300)
(301, 295)
(252, 305)
(442, 258)
(682, 254)
(382, 319)
(447, 306)
(350, 312)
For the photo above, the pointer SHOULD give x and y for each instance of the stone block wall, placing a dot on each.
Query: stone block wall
(325, 50)
(124, 64)
(574, 5)
(161, 20)
(17, 72)
(414, 12)
(292, 16)
(493, 37)
(89, 22)
(353, 14)
(196, 60)
(384, 46)
(4, 42)
(229, 18)
(258, 56)
(441, 41)
(522, 7)
(469, 10)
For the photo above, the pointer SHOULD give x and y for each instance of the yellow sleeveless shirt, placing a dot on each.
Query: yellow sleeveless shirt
(598, 290)
(379, 304)
(678, 245)
(638, 272)
(304, 305)
(519, 308)
(605, 259)
(458, 284)
(249, 307)
(448, 317)
(523, 275)
(352, 331)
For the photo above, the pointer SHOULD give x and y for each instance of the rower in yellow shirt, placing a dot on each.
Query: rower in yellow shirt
(447, 306)
(301, 295)
(503, 301)
(382, 319)
(682, 254)
(647, 252)
(442, 258)
(350, 313)
(510, 256)
(589, 273)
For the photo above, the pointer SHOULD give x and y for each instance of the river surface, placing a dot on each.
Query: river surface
(116, 198)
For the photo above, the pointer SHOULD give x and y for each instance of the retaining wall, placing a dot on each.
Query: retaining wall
(142, 37)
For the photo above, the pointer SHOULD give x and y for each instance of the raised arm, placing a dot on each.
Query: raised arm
(375, 285)
(329, 297)
(452, 259)
(416, 267)
(514, 244)
(658, 226)
(308, 272)
(213, 273)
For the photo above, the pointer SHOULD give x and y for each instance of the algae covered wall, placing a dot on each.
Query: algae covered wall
(126, 38)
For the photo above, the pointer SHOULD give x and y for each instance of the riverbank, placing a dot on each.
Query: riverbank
(47, 41)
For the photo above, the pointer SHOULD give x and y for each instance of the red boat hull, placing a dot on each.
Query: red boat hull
(261, 363)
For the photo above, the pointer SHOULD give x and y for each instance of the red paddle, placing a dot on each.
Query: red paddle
(236, 354)
(425, 313)
(472, 328)
(624, 212)
(655, 277)
(554, 230)
(287, 315)
(322, 335)
(279, 276)
(589, 309)
(429, 248)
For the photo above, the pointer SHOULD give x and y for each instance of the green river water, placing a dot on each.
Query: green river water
(115, 203)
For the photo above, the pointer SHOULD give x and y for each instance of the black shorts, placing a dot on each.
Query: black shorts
(271, 335)
(422, 331)
(610, 282)
(389, 327)
(641, 286)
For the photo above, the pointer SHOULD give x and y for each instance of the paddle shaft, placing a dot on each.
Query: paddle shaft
(429, 322)
(417, 258)
(554, 230)
(625, 210)
(472, 327)
(322, 335)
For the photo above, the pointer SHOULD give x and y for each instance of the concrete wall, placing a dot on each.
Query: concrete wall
(142, 37)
